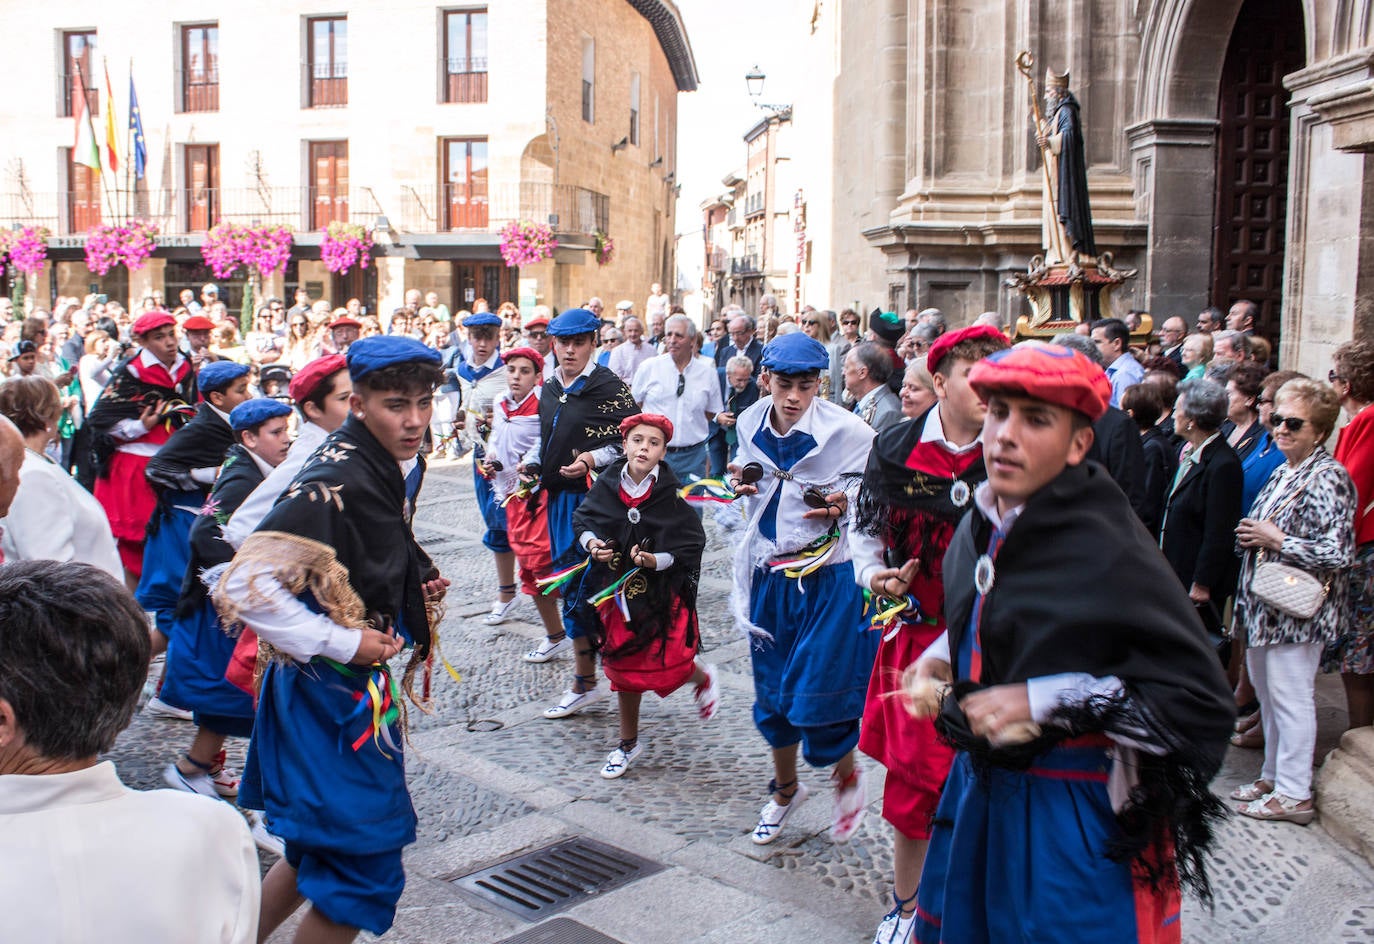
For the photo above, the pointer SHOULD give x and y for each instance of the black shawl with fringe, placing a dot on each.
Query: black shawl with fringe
(1080, 587)
(237, 478)
(666, 523)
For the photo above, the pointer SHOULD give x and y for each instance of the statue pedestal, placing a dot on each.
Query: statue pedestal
(1064, 295)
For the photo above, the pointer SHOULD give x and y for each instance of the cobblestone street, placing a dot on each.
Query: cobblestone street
(491, 779)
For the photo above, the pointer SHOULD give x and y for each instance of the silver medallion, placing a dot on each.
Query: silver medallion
(959, 493)
(563, 397)
(983, 574)
(633, 515)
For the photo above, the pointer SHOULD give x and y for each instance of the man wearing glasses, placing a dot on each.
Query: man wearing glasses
(1171, 337)
(742, 341)
(685, 388)
(536, 333)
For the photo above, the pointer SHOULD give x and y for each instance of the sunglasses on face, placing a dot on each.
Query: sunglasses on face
(850, 324)
(1290, 423)
(536, 334)
(681, 383)
(1332, 376)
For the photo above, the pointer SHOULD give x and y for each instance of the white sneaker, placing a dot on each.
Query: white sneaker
(191, 783)
(850, 804)
(547, 649)
(707, 695)
(618, 761)
(573, 702)
(895, 928)
(772, 817)
(158, 708)
(226, 781)
(499, 611)
(262, 838)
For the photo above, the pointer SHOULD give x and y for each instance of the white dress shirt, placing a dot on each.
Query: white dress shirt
(84, 858)
(655, 390)
(54, 518)
(662, 559)
(627, 357)
(260, 501)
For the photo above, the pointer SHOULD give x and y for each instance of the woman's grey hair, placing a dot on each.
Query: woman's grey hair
(740, 362)
(74, 651)
(1204, 402)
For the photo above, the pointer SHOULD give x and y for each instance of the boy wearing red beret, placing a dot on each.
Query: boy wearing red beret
(640, 589)
(1087, 708)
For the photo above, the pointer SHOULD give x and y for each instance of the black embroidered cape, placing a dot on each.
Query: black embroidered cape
(341, 534)
(237, 478)
(1077, 587)
(665, 523)
(579, 421)
(914, 511)
(201, 444)
(124, 398)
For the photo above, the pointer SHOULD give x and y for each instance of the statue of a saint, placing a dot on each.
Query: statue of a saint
(1068, 219)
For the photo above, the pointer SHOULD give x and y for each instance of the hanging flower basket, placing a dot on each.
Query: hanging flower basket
(346, 245)
(24, 250)
(261, 250)
(129, 244)
(524, 243)
(605, 249)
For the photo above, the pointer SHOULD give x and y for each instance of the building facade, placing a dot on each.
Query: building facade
(1226, 143)
(432, 124)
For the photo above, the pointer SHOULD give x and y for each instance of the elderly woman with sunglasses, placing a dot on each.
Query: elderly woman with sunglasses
(1303, 517)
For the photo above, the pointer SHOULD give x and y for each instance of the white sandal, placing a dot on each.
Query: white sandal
(547, 649)
(499, 611)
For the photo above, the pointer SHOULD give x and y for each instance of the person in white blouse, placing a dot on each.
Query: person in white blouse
(51, 517)
(102, 353)
(78, 847)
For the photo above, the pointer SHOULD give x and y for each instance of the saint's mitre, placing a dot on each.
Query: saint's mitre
(1056, 79)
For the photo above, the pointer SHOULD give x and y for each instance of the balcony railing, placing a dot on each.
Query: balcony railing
(450, 207)
(715, 260)
(465, 80)
(199, 89)
(753, 204)
(744, 265)
(327, 84)
(434, 209)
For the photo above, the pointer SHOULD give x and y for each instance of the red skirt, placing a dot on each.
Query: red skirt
(129, 503)
(663, 668)
(917, 762)
(528, 535)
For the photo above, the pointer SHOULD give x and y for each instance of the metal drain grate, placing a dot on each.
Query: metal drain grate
(556, 877)
(561, 931)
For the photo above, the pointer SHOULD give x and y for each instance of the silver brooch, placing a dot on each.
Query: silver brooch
(959, 493)
(563, 397)
(983, 574)
(633, 515)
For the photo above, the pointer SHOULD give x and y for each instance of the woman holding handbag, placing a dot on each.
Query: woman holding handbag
(1297, 546)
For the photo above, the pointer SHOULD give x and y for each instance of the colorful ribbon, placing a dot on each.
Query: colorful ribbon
(379, 704)
(892, 612)
(713, 490)
(558, 579)
(522, 492)
(616, 592)
(809, 559)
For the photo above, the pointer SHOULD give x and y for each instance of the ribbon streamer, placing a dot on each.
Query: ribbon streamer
(712, 490)
(556, 580)
(810, 558)
(379, 704)
(616, 592)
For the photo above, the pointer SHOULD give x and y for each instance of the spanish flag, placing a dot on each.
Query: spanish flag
(111, 140)
(86, 150)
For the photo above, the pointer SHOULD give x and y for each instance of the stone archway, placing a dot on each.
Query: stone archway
(1174, 145)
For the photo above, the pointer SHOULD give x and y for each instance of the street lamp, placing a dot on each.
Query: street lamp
(753, 81)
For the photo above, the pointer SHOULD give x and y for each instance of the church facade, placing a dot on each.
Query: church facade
(1227, 148)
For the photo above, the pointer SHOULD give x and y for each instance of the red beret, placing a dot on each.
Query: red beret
(308, 377)
(151, 321)
(197, 323)
(540, 322)
(345, 322)
(1046, 372)
(526, 352)
(647, 419)
(945, 342)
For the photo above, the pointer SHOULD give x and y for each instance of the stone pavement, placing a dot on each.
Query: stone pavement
(492, 779)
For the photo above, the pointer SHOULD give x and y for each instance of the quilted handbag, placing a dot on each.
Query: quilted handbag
(1288, 589)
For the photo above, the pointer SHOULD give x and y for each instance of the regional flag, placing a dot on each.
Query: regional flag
(85, 151)
(111, 140)
(136, 126)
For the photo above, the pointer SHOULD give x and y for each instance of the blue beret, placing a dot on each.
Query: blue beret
(251, 413)
(573, 322)
(795, 353)
(482, 319)
(385, 350)
(217, 375)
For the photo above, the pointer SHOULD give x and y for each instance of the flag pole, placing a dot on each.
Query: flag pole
(105, 184)
(121, 214)
(130, 185)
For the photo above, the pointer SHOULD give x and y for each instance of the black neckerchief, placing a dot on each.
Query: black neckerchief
(351, 497)
(238, 477)
(201, 444)
(588, 417)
